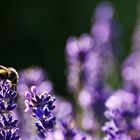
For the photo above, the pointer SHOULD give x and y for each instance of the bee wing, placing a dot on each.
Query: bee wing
(13, 75)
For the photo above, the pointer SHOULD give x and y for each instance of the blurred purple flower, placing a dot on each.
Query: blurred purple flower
(123, 111)
(34, 76)
(77, 51)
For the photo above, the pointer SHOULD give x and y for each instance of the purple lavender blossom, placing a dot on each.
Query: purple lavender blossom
(102, 32)
(101, 29)
(77, 53)
(89, 61)
(123, 112)
(131, 66)
(124, 105)
(8, 124)
(63, 109)
(69, 133)
(66, 130)
(42, 106)
(33, 76)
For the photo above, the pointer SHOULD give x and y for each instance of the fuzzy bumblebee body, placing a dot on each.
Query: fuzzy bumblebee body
(10, 75)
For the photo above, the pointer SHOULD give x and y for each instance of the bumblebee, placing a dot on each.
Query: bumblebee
(10, 75)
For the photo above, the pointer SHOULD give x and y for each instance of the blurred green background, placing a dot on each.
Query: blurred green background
(35, 32)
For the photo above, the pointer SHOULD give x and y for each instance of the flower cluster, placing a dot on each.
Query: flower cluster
(71, 132)
(33, 76)
(78, 51)
(123, 113)
(8, 124)
(89, 60)
(124, 105)
(41, 106)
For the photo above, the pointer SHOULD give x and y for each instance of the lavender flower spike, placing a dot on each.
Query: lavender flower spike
(42, 107)
(8, 125)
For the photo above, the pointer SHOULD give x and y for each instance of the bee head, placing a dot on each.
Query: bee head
(13, 75)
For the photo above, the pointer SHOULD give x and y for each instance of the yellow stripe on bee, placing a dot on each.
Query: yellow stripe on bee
(2, 71)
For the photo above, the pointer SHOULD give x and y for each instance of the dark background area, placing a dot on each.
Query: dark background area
(35, 32)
